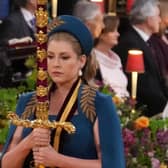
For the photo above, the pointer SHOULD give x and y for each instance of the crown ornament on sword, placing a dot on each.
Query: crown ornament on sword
(42, 106)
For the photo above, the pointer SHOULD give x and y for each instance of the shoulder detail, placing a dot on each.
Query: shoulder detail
(30, 108)
(87, 102)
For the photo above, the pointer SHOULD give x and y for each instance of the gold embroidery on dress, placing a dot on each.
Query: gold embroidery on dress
(87, 102)
(30, 107)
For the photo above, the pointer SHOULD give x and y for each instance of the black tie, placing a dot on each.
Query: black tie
(33, 24)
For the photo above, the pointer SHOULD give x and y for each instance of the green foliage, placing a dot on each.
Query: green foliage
(8, 99)
(31, 77)
(3, 133)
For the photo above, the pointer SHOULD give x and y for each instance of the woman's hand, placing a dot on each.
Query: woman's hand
(39, 137)
(45, 156)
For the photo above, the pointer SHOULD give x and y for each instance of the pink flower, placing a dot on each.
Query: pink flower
(155, 163)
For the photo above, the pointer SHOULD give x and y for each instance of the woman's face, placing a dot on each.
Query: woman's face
(63, 62)
(110, 38)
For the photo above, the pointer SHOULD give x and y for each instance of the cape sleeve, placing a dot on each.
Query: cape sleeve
(23, 99)
(111, 142)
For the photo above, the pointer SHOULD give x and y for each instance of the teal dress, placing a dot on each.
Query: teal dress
(81, 144)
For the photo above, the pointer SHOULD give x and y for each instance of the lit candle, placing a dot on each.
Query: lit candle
(54, 8)
(135, 65)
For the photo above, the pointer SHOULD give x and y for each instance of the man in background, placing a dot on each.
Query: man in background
(20, 23)
(144, 19)
(90, 13)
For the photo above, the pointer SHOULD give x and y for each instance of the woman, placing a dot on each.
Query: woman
(97, 141)
(110, 67)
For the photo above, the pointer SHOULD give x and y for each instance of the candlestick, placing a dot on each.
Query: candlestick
(135, 65)
(54, 8)
(134, 76)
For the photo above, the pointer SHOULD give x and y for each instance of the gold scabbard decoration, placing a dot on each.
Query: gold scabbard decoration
(41, 54)
(42, 110)
(42, 91)
(41, 18)
(42, 103)
(42, 75)
(41, 37)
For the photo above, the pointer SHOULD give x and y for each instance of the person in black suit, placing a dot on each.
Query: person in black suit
(20, 22)
(144, 19)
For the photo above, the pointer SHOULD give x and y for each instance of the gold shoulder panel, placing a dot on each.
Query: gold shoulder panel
(87, 102)
(30, 107)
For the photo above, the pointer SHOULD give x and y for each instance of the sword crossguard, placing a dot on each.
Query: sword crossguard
(39, 123)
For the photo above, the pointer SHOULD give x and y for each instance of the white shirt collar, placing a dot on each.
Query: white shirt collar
(144, 36)
(28, 16)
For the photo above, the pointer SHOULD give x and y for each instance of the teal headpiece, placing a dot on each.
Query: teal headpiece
(77, 28)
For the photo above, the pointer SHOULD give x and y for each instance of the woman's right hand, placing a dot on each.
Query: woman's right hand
(39, 137)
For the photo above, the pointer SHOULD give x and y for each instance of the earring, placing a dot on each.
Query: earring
(80, 72)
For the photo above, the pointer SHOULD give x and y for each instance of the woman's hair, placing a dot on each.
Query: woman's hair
(111, 22)
(89, 69)
(163, 8)
(142, 9)
(163, 14)
(86, 10)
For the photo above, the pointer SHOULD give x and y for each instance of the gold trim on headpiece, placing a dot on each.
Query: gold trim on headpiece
(55, 22)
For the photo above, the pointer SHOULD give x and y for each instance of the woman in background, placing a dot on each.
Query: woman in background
(110, 67)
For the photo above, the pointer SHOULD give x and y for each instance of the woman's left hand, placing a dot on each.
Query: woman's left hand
(45, 156)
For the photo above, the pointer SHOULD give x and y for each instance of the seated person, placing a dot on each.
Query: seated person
(20, 23)
(159, 41)
(19, 27)
(144, 21)
(110, 67)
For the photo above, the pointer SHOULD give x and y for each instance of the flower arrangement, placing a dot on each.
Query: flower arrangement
(145, 139)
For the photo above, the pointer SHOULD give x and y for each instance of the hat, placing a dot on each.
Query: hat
(77, 28)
